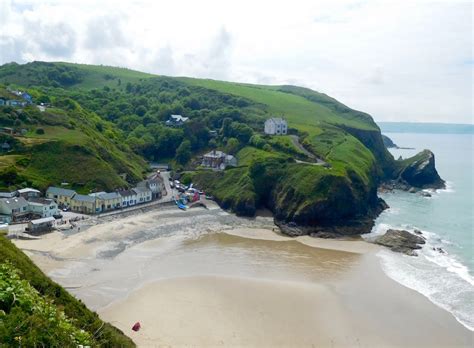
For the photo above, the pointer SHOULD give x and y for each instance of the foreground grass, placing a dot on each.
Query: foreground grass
(104, 334)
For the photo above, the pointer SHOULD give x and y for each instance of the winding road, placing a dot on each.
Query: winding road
(296, 141)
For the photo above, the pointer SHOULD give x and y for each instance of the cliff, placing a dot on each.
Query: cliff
(419, 171)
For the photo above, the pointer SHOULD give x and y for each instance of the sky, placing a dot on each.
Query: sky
(396, 60)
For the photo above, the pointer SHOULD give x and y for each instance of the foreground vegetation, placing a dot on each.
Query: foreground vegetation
(35, 311)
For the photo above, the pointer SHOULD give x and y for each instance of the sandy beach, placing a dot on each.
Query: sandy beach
(208, 278)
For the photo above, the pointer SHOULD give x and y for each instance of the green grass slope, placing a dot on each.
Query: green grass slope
(64, 144)
(348, 140)
(104, 334)
(62, 74)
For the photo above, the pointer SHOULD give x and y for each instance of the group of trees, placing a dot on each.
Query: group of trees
(140, 110)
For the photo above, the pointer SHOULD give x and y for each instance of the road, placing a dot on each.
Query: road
(296, 141)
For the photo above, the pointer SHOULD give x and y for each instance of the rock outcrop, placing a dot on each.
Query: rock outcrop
(401, 241)
(420, 171)
(389, 144)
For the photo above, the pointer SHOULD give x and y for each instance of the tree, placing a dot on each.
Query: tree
(241, 131)
(232, 145)
(183, 153)
(140, 111)
(226, 123)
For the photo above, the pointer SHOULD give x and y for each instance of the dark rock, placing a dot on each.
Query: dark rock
(401, 241)
(425, 194)
(325, 235)
(418, 232)
(291, 229)
(388, 142)
(421, 172)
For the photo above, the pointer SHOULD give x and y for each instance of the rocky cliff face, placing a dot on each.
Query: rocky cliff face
(420, 171)
(389, 144)
(374, 142)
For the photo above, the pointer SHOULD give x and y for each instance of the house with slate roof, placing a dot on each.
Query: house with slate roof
(61, 195)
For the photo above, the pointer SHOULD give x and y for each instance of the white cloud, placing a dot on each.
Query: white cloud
(395, 60)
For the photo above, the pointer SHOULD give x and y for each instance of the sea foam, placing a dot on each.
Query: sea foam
(436, 274)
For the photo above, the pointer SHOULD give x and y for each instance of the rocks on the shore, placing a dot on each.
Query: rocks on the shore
(401, 241)
(421, 172)
(291, 229)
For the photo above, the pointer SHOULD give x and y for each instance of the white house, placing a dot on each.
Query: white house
(176, 120)
(155, 184)
(144, 194)
(276, 126)
(43, 207)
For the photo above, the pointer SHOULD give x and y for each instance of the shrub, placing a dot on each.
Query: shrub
(28, 319)
(39, 131)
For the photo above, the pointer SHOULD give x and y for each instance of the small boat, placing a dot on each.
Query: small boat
(180, 205)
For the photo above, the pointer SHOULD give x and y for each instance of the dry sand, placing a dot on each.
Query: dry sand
(208, 278)
(221, 311)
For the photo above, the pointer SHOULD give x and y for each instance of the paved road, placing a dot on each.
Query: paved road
(296, 141)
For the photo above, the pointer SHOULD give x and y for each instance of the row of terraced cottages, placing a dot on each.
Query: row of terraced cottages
(99, 202)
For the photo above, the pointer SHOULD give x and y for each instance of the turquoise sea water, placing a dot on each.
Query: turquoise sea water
(446, 220)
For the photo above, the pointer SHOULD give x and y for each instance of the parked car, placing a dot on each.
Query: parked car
(58, 216)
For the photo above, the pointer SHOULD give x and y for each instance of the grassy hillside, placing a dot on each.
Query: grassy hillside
(65, 143)
(22, 320)
(63, 74)
(138, 104)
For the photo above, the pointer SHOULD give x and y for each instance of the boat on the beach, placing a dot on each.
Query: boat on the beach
(180, 205)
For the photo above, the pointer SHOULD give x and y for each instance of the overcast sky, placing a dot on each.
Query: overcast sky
(398, 61)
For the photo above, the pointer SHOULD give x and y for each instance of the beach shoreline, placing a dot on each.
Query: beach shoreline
(207, 278)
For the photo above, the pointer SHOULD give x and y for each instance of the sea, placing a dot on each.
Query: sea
(445, 275)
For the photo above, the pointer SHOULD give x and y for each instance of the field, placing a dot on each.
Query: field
(299, 111)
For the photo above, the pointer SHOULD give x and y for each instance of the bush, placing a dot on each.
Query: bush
(39, 131)
(27, 319)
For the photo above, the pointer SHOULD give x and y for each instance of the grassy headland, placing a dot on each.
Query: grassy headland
(122, 114)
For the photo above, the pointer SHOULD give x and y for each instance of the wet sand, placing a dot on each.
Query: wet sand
(208, 278)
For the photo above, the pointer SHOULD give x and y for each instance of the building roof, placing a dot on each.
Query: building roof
(7, 194)
(179, 118)
(42, 220)
(127, 193)
(14, 203)
(43, 201)
(60, 191)
(83, 198)
(27, 189)
(156, 180)
(110, 195)
(276, 120)
(139, 189)
(215, 154)
(97, 194)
